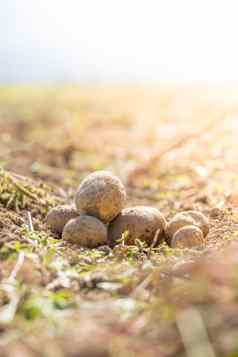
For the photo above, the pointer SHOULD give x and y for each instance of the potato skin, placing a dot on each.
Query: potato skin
(58, 216)
(188, 237)
(200, 220)
(101, 195)
(140, 222)
(85, 231)
(178, 221)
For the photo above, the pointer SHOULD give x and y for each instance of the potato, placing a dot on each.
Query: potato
(200, 220)
(178, 221)
(188, 237)
(102, 195)
(58, 216)
(86, 231)
(138, 223)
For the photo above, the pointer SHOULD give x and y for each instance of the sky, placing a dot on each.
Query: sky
(110, 40)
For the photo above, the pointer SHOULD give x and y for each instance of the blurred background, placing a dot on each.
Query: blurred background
(111, 40)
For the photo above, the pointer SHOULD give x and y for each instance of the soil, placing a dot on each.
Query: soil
(175, 148)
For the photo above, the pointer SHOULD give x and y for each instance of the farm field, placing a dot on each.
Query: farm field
(175, 148)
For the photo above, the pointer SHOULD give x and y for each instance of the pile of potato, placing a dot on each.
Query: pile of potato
(99, 217)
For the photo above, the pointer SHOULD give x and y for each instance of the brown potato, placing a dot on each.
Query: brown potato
(200, 220)
(58, 216)
(102, 195)
(188, 237)
(138, 223)
(178, 221)
(86, 231)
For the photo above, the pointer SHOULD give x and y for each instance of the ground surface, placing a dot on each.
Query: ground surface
(175, 148)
